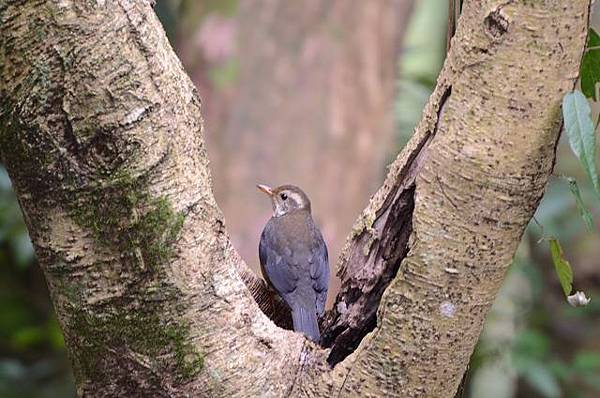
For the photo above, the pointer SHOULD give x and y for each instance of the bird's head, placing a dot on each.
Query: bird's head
(286, 198)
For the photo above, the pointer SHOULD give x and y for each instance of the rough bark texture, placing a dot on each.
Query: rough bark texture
(102, 136)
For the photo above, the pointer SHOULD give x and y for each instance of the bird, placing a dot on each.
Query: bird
(294, 259)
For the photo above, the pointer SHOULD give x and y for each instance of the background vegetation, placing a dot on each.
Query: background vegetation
(534, 344)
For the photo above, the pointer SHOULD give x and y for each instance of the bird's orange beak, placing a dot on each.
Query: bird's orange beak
(266, 189)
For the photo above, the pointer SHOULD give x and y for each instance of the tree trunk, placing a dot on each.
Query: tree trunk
(102, 136)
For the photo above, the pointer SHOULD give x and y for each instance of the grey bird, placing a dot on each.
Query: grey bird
(293, 257)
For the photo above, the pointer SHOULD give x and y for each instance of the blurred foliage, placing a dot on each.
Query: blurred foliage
(204, 35)
(224, 75)
(543, 351)
(186, 15)
(421, 58)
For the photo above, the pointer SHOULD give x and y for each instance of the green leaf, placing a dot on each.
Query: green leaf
(590, 72)
(581, 208)
(580, 130)
(561, 266)
(590, 66)
(593, 39)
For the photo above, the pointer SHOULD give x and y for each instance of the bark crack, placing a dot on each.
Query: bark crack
(379, 251)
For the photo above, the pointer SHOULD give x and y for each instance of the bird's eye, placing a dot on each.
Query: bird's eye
(283, 196)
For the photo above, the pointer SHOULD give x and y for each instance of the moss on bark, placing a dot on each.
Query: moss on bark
(142, 337)
(122, 214)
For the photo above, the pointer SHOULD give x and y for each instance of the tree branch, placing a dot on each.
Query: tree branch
(478, 164)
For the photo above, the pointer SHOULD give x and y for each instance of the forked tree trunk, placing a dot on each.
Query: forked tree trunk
(102, 136)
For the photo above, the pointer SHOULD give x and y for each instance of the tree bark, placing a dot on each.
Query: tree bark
(102, 136)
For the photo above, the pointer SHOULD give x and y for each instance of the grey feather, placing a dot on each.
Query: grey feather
(294, 260)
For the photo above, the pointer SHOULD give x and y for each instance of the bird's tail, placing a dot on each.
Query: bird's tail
(305, 321)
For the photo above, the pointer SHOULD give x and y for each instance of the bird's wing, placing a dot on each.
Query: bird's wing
(319, 271)
(274, 266)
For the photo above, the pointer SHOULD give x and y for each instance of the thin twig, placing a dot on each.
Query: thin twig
(543, 237)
